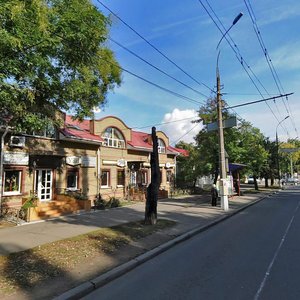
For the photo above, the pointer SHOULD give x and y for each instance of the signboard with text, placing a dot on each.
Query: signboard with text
(16, 158)
(88, 161)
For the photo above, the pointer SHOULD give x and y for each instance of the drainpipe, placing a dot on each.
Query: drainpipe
(1, 165)
(98, 171)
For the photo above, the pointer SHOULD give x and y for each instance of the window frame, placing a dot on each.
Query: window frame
(111, 141)
(76, 172)
(13, 193)
(144, 177)
(161, 146)
(121, 184)
(169, 177)
(107, 171)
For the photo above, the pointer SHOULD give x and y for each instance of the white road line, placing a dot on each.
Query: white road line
(275, 255)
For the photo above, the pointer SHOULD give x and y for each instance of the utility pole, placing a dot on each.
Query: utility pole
(223, 180)
(1, 165)
(277, 144)
(223, 175)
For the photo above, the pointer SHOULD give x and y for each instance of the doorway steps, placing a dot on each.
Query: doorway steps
(62, 205)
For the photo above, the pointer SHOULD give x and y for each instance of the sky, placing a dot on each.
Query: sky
(255, 65)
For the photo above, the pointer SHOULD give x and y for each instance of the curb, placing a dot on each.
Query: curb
(89, 286)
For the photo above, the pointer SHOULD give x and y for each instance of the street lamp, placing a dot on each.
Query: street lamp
(277, 145)
(223, 180)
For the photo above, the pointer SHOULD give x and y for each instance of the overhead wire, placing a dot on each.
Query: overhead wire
(191, 100)
(269, 62)
(177, 140)
(164, 123)
(154, 47)
(155, 67)
(238, 55)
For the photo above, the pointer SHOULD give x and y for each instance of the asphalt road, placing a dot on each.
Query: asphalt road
(252, 255)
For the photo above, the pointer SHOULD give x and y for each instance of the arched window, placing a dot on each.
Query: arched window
(161, 146)
(113, 138)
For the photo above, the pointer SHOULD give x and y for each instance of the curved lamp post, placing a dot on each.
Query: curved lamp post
(223, 181)
(277, 145)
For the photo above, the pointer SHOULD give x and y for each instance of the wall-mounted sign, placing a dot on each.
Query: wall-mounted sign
(121, 163)
(88, 161)
(16, 158)
(73, 160)
(169, 165)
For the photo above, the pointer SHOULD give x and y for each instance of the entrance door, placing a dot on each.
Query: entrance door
(44, 184)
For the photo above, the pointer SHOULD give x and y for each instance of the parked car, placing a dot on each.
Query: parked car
(250, 180)
(293, 180)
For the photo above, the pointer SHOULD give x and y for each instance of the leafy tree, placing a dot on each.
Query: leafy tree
(188, 167)
(286, 158)
(270, 169)
(243, 143)
(53, 57)
(253, 151)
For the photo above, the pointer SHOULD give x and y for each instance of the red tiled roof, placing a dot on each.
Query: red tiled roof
(80, 134)
(84, 125)
(179, 150)
(75, 129)
(139, 140)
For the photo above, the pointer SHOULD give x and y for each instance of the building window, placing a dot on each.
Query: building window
(47, 129)
(72, 180)
(105, 178)
(169, 176)
(121, 177)
(161, 146)
(144, 177)
(113, 138)
(133, 176)
(12, 182)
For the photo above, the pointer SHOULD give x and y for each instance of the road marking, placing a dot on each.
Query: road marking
(268, 272)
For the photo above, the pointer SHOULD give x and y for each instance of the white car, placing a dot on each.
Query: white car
(250, 180)
(293, 180)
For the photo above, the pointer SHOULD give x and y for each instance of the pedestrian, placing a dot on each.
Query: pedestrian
(214, 195)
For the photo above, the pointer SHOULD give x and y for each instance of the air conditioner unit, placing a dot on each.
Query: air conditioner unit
(17, 141)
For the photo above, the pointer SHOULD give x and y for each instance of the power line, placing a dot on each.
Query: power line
(156, 68)
(156, 85)
(154, 47)
(261, 100)
(269, 60)
(237, 54)
(174, 142)
(164, 123)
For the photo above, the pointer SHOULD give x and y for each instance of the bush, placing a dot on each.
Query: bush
(99, 203)
(113, 202)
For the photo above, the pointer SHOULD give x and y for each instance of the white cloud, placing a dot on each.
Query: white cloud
(183, 129)
(280, 13)
(285, 58)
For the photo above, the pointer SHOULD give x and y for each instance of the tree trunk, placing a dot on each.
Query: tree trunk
(266, 182)
(255, 183)
(152, 189)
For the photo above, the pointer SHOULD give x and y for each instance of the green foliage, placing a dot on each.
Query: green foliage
(53, 57)
(30, 202)
(244, 144)
(100, 203)
(113, 202)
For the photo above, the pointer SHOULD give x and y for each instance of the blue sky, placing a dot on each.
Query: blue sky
(185, 33)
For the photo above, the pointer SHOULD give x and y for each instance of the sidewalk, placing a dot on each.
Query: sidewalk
(192, 214)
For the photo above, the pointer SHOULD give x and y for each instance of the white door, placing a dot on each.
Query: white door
(44, 184)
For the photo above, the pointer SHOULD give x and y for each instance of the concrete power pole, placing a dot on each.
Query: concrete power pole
(223, 181)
